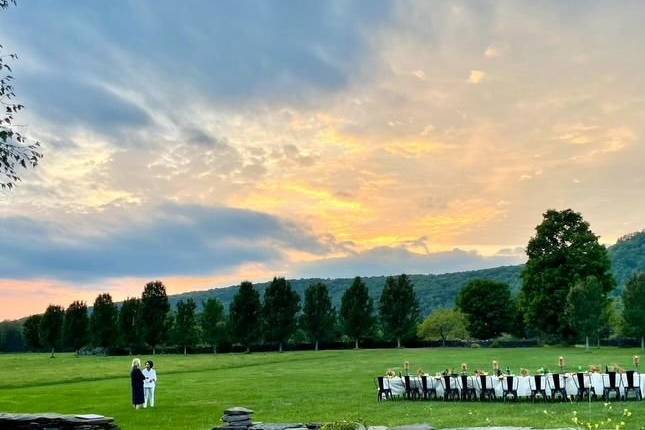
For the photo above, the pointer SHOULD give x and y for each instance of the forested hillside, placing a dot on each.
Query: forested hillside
(628, 257)
(434, 291)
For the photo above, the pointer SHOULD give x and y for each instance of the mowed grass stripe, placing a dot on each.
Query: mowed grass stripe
(11, 375)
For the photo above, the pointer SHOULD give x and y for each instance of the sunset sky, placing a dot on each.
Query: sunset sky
(204, 143)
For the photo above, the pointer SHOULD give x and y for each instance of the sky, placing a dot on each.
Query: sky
(206, 143)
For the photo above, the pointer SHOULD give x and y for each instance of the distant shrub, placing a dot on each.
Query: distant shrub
(508, 341)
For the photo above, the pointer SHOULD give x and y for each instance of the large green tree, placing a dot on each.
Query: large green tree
(103, 322)
(586, 302)
(357, 312)
(399, 309)
(31, 332)
(281, 304)
(563, 251)
(488, 308)
(76, 326)
(129, 323)
(51, 328)
(245, 313)
(185, 330)
(213, 323)
(443, 324)
(634, 307)
(154, 314)
(15, 151)
(318, 318)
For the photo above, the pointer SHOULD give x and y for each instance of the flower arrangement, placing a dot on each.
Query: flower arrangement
(390, 373)
(464, 368)
(406, 368)
(524, 372)
(542, 371)
(420, 372)
(594, 368)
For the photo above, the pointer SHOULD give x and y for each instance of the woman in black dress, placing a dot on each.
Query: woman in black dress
(137, 378)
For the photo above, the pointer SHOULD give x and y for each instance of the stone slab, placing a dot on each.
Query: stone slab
(56, 421)
(238, 410)
(238, 424)
(234, 418)
(414, 427)
(501, 428)
(278, 426)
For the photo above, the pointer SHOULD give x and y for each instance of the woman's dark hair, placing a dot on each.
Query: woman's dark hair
(151, 364)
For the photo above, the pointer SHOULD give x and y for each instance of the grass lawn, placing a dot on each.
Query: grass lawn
(290, 387)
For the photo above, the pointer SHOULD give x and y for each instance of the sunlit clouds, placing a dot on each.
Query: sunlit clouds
(404, 136)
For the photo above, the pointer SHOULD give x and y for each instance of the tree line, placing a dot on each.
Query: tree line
(274, 318)
(566, 295)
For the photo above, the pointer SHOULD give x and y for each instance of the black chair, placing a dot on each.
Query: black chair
(411, 391)
(466, 389)
(610, 384)
(486, 390)
(427, 390)
(382, 391)
(538, 387)
(557, 386)
(450, 391)
(509, 387)
(633, 384)
(584, 387)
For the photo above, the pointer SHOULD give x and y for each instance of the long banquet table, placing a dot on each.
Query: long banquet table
(397, 384)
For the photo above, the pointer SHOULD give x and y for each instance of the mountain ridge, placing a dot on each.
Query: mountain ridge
(627, 256)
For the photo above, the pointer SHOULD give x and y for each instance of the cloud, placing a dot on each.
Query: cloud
(393, 260)
(71, 101)
(476, 76)
(173, 240)
(358, 123)
(492, 52)
(231, 51)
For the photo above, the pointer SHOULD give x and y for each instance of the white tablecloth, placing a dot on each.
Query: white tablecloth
(397, 384)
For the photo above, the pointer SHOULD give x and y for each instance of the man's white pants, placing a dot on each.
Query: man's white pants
(148, 397)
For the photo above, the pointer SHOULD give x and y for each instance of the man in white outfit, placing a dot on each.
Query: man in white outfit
(149, 385)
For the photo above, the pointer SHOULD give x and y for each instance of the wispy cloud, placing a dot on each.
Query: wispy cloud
(317, 137)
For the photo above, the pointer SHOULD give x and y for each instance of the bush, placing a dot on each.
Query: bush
(343, 425)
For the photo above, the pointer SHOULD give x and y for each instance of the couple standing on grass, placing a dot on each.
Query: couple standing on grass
(143, 384)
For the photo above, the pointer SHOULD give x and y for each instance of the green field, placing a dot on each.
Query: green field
(289, 387)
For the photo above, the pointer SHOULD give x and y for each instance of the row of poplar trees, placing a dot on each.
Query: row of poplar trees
(250, 320)
(276, 318)
(136, 321)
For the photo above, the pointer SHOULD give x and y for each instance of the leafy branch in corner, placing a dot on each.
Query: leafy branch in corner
(15, 151)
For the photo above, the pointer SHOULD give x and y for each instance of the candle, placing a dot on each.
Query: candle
(637, 360)
(495, 365)
(561, 362)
